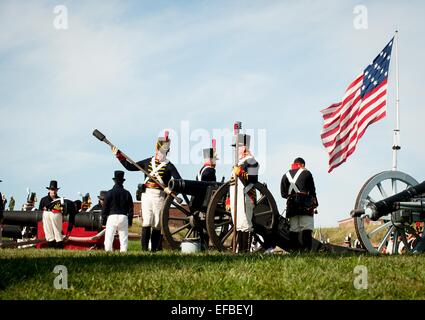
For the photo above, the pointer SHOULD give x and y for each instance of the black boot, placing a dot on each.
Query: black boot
(243, 238)
(51, 244)
(247, 241)
(146, 236)
(307, 239)
(204, 240)
(59, 245)
(239, 240)
(156, 240)
(294, 241)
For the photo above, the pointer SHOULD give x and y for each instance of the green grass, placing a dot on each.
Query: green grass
(28, 274)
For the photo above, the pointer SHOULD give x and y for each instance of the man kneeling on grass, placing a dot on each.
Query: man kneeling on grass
(117, 212)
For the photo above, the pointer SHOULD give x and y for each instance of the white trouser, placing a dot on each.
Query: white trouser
(152, 202)
(301, 223)
(52, 225)
(116, 222)
(244, 209)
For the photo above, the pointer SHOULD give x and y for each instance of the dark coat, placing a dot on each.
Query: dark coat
(207, 175)
(118, 201)
(304, 202)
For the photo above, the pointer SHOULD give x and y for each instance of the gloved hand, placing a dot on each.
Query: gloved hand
(167, 190)
(117, 153)
(236, 170)
(228, 208)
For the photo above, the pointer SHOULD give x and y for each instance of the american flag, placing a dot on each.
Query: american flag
(364, 103)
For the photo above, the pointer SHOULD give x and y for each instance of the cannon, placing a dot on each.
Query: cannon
(86, 232)
(389, 213)
(89, 220)
(205, 215)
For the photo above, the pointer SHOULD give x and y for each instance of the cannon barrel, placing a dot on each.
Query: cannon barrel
(192, 187)
(91, 219)
(383, 207)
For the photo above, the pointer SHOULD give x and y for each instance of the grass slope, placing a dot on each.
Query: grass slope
(28, 274)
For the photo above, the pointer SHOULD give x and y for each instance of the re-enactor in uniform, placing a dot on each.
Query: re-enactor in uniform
(52, 217)
(153, 195)
(297, 186)
(246, 171)
(207, 172)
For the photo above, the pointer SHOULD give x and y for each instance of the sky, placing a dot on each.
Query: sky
(132, 69)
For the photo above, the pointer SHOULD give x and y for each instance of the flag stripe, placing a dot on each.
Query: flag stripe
(331, 136)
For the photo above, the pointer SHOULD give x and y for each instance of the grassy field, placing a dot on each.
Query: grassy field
(28, 274)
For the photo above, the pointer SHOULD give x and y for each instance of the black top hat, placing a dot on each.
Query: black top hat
(118, 176)
(102, 195)
(53, 185)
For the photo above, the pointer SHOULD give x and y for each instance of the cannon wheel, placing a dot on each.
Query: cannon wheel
(219, 220)
(177, 222)
(374, 237)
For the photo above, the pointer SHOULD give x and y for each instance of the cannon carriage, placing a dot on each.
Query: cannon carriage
(86, 231)
(389, 213)
(207, 217)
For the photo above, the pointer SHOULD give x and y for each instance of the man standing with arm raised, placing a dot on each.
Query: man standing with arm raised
(153, 195)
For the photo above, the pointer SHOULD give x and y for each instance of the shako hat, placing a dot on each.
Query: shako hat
(163, 143)
(210, 153)
(244, 140)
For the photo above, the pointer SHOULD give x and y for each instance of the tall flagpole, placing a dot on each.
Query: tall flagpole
(396, 143)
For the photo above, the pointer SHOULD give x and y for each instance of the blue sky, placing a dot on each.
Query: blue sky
(133, 68)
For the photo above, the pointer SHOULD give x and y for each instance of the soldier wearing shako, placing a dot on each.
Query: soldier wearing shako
(153, 196)
(297, 186)
(52, 217)
(207, 172)
(246, 171)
